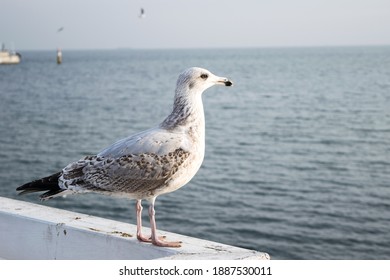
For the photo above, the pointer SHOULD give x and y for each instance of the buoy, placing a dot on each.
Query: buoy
(59, 56)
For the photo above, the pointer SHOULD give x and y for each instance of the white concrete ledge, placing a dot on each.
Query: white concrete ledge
(32, 231)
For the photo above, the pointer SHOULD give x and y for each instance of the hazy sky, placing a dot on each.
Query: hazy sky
(95, 24)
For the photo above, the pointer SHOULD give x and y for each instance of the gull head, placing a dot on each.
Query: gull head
(199, 79)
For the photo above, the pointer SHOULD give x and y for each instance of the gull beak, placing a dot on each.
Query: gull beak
(224, 81)
(228, 83)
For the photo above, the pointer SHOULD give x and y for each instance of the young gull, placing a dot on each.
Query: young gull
(147, 164)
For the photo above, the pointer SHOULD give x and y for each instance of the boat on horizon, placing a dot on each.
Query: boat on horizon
(9, 56)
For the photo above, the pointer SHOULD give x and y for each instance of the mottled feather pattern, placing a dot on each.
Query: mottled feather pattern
(141, 174)
(180, 114)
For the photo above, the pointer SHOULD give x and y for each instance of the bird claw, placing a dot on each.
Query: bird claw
(143, 238)
(148, 239)
(172, 244)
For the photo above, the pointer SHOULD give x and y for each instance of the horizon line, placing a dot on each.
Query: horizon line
(212, 48)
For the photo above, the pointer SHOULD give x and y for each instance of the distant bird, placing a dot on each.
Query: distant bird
(60, 29)
(142, 13)
(147, 164)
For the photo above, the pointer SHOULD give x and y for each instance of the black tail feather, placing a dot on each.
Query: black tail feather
(48, 184)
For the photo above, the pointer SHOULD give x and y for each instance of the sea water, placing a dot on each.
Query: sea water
(297, 157)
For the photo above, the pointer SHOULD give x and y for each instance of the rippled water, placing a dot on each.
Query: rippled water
(297, 153)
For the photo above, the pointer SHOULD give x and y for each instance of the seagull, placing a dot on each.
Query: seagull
(147, 164)
(142, 13)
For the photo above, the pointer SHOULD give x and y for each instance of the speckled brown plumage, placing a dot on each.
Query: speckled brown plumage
(138, 176)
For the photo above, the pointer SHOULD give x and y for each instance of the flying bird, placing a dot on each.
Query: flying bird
(60, 29)
(147, 164)
(142, 13)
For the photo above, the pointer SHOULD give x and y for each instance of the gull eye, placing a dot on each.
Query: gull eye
(204, 76)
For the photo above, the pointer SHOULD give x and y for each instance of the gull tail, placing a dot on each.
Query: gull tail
(48, 184)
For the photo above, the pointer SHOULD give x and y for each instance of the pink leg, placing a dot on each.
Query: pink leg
(155, 239)
(140, 236)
